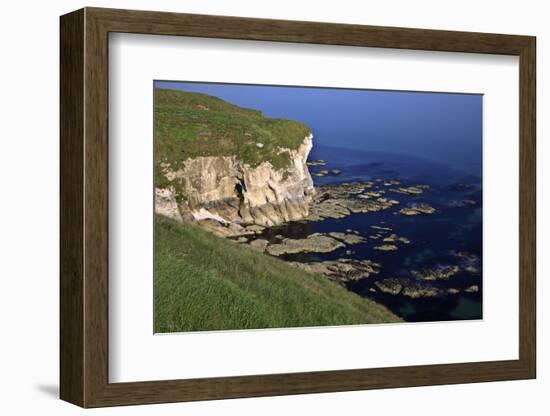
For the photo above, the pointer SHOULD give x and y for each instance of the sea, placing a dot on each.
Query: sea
(435, 239)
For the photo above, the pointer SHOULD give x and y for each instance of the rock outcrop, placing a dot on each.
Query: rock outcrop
(165, 203)
(225, 189)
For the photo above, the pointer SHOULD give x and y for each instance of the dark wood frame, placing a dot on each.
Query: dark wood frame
(84, 208)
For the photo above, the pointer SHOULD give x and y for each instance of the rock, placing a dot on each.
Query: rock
(350, 231)
(226, 230)
(314, 243)
(256, 229)
(437, 273)
(462, 203)
(386, 247)
(394, 237)
(411, 190)
(348, 238)
(378, 227)
(228, 190)
(415, 291)
(374, 194)
(259, 244)
(166, 204)
(342, 190)
(319, 162)
(417, 209)
(362, 206)
(342, 270)
(469, 262)
(472, 289)
(408, 288)
(409, 211)
(328, 209)
(390, 286)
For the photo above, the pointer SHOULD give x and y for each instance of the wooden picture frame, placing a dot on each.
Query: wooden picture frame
(84, 207)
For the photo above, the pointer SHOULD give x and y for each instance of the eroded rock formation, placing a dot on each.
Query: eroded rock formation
(224, 189)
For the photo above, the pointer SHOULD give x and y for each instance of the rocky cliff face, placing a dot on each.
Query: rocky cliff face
(225, 189)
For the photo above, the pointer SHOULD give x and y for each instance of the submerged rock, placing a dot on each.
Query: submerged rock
(378, 227)
(394, 237)
(462, 203)
(469, 262)
(321, 173)
(386, 247)
(411, 190)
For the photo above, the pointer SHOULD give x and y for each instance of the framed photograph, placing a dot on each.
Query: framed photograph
(255, 207)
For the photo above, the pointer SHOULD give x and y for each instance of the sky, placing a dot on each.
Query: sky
(446, 128)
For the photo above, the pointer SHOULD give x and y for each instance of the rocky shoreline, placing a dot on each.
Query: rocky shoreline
(337, 201)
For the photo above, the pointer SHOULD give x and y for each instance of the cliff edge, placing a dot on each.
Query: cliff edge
(221, 162)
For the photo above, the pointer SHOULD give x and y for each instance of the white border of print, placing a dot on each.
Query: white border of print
(136, 354)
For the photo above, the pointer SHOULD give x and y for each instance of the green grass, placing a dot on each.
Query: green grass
(188, 125)
(204, 282)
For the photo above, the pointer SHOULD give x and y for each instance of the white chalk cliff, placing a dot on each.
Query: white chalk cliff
(227, 190)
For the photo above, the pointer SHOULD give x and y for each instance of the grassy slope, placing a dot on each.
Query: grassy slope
(204, 282)
(188, 125)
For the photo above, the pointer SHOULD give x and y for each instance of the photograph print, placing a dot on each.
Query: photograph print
(288, 206)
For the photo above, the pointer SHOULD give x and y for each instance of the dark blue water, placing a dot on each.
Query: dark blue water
(435, 239)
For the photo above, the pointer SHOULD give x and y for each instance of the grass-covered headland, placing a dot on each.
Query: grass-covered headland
(188, 125)
(204, 282)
